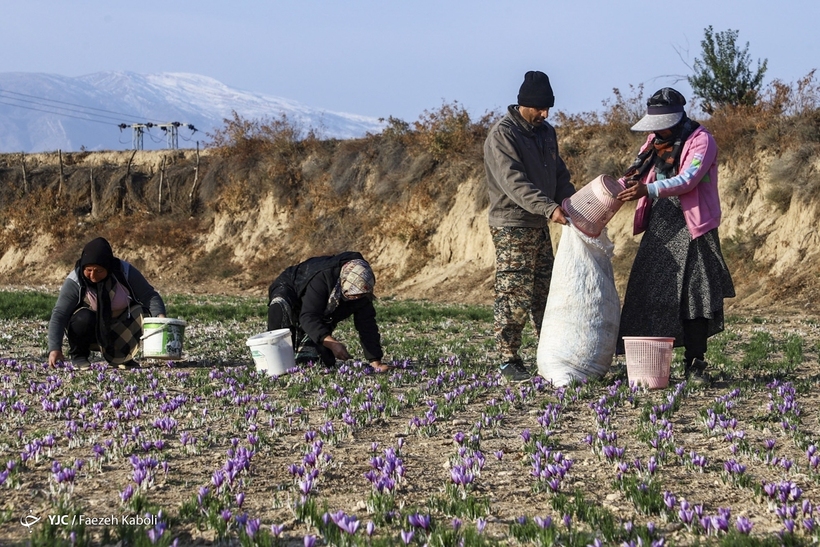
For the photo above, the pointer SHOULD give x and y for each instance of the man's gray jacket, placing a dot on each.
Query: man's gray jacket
(526, 177)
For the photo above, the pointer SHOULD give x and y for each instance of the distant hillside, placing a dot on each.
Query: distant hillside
(47, 112)
(412, 199)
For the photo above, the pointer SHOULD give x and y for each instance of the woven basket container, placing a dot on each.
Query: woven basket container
(591, 207)
(648, 360)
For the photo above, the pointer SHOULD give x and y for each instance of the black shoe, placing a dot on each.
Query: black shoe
(696, 374)
(514, 371)
(130, 364)
(80, 361)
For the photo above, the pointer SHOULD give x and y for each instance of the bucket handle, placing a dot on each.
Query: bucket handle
(152, 333)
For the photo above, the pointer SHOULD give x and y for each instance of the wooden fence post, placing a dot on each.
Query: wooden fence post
(126, 186)
(23, 164)
(196, 179)
(94, 204)
(62, 177)
(161, 177)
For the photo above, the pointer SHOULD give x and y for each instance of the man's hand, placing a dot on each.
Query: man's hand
(558, 216)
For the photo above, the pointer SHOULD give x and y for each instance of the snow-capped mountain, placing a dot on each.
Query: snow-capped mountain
(46, 112)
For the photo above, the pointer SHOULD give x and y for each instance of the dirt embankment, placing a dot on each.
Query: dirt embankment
(211, 222)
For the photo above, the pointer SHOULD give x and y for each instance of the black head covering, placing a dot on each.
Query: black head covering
(536, 91)
(98, 251)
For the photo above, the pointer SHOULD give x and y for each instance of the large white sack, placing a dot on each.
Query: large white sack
(579, 332)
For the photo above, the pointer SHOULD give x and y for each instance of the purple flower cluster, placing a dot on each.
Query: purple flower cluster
(239, 461)
(64, 476)
(813, 456)
(386, 472)
(143, 471)
(549, 467)
(783, 404)
(347, 523)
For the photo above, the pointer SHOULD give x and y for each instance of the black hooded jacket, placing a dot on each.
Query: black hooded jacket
(307, 287)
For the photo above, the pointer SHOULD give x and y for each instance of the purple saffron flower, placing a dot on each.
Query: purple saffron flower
(480, 524)
(543, 522)
(348, 523)
(153, 535)
(310, 541)
(306, 486)
(126, 494)
(252, 527)
(418, 520)
(407, 536)
(370, 528)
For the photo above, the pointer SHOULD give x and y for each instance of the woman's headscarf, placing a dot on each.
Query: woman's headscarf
(663, 154)
(356, 278)
(98, 251)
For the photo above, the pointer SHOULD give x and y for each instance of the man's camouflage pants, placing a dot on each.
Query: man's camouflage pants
(523, 261)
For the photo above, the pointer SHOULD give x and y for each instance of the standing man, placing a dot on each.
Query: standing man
(527, 180)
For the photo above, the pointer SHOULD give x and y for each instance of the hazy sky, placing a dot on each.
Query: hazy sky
(398, 58)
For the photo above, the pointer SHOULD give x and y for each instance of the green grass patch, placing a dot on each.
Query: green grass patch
(215, 308)
(26, 305)
(416, 311)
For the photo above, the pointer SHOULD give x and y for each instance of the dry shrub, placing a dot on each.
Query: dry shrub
(236, 196)
(39, 211)
(351, 163)
(739, 251)
(396, 130)
(448, 132)
(780, 195)
(786, 117)
(216, 264)
(152, 231)
(277, 143)
(595, 143)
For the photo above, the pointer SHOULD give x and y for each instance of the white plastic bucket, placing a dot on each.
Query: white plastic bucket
(162, 338)
(272, 351)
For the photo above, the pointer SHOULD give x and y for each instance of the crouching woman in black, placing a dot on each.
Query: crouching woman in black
(312, 297)
(100, 307)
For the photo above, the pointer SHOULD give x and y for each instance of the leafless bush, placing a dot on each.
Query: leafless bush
(448, 132)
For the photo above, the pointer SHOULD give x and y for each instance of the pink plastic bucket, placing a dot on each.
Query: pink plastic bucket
(648, 360)
(591, 207)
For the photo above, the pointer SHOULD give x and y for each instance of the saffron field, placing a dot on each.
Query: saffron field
(438, 451)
